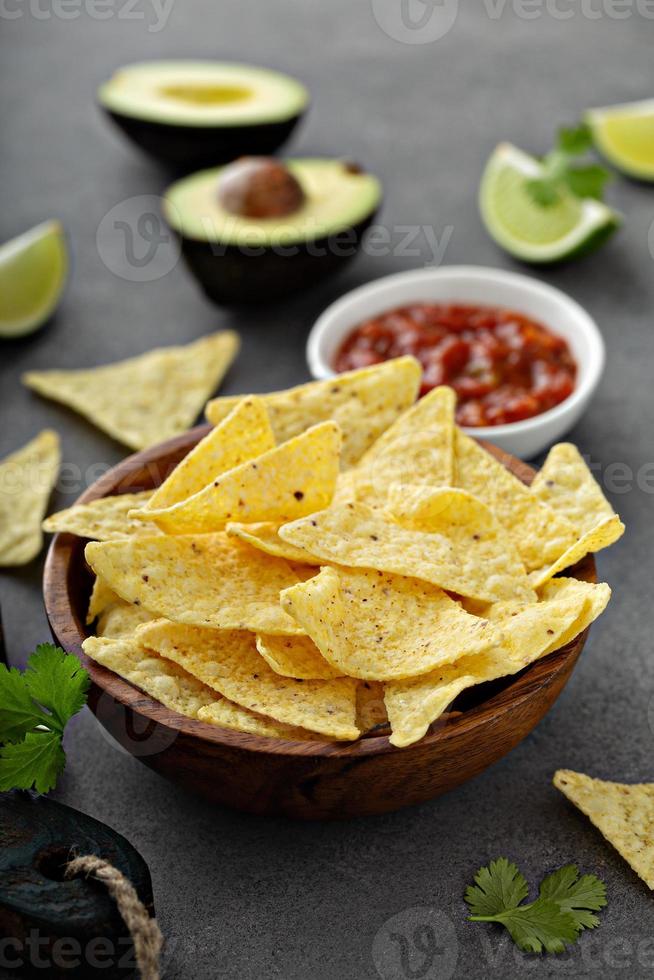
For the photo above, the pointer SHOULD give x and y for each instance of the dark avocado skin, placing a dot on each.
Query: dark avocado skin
(187, 148)
(230, 275)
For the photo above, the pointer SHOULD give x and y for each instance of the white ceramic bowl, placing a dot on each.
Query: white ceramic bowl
(477, 285)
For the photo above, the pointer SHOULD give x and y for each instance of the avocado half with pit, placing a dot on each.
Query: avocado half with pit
(261, 229)
(192, 114)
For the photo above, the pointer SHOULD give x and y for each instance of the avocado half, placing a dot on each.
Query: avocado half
(254, 260)
(191, 114)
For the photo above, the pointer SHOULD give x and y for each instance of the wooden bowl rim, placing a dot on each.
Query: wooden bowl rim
(69, 629)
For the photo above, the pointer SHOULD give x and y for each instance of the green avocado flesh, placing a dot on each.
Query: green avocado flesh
(335, 199)
(202, 93)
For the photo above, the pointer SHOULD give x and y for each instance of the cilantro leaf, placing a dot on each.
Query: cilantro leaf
(36, 762)
(587, 181)
(565, 905)
(559, 177)
(58, 681)
(499, 887)
(18, 713)
(582, 897)
(574, 140)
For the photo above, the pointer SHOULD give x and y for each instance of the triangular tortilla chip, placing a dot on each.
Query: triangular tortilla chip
(357, 536)
(624, 815)
(413, 705)
(146, 399)
(364, 403)
(225, 714)
(104, 519)
(203, 580)
(264, 536)
(371, 710)
(418, 448)
(242, 435)
(227, 661)
(283, 484)
(26, 481)
(296, 656)
(597, 599)
(540, 534)
(606, 533)
(121, 619)
(566, 484)
(102, 596)
(383, 627)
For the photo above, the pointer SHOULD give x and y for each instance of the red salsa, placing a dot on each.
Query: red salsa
(503, 365)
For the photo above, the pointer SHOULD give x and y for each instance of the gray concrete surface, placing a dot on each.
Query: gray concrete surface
(240, 897)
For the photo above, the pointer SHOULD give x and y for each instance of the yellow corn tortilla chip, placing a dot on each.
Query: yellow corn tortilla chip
(296, 656)
(364, 403)
(224, 714)
(120, 619)
(203, 580)
(376, 626)
(145, 399)
(540, 534)
(104, 519)
(264, 536)
(413, 705)
(597, 599)
(601, 536)
(242, 435)
(161, 679)
(284, 483)
(566, 484)
(371, 710)
(27, 477)
(101, 597)
(418, 448)
(227, 661)
(477, 564)
(623, 814)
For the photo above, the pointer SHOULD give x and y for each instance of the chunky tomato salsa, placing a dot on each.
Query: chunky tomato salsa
(503, 365)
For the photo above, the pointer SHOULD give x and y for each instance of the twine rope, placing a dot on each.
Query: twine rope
(145, 932)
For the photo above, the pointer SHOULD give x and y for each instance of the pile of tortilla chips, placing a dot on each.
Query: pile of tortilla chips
(337, 558)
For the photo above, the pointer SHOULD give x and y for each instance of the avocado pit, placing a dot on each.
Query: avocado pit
(259, 187)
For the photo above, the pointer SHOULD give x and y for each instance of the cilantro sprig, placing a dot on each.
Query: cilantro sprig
(561, 173)
(566, 905)
(35, 707)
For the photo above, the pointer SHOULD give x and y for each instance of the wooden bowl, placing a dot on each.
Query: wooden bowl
(309, 780)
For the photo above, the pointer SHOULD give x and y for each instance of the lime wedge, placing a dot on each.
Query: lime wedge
(528, 230)
(625, 135)
(33, 269)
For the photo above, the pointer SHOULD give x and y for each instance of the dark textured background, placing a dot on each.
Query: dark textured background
(240, 897)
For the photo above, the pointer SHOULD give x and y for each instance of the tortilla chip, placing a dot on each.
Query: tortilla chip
(296, 656)
(597, 598)
(624, 815)
(27, 477)
(539, 533)
(242, 435)
(227, 661)
(203, 580)
(264, 536)
(145, 399)
(121, 619)
(283, 484)
(224, 714)
(601, 536)
(476, 564)
(364, 403)
(418, 448)
(104, 519)
(101, 597)
(376, 626)
(413, 705)
(566, 484)
(161, 679)
(371, 710)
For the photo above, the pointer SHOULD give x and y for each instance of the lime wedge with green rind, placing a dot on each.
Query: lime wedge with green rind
(624, 134)
(33, 270)
(530, 231)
